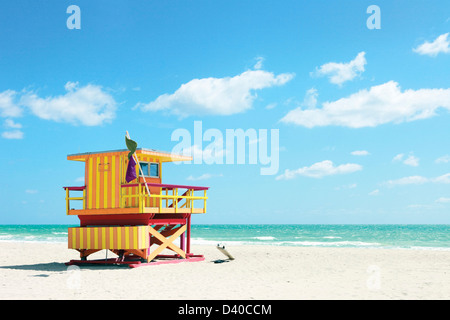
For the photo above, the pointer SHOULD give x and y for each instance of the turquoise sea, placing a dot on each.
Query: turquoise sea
(429, 237)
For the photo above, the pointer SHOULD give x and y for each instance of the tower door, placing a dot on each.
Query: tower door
(102, 177)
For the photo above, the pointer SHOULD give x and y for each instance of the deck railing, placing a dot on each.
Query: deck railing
(68, 198)
(170, 198)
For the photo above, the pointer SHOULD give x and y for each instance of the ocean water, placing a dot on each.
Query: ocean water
(429, 237)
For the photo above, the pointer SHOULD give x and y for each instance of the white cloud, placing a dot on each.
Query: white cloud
(11, 124)
(408, 180)
(443, 159)
(411, 160)
(70, 86)
(216, 96)
(31, 191)
(419, 180)
(398, 157)
(381, 104)
(13, 134)
(259, 63)
(319, 170)
(347, 186)
(88, 105)
(339, 73)
(443, 200)
(271, 106)
(204, 176)
(421, 206)
(440, 45)
(310, 100)
(360, 153)
(8, 108)
(374, 192)
(442, 179)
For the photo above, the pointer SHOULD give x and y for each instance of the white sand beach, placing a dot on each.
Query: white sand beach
(37, 271)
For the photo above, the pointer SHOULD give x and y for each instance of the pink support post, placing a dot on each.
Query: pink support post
(182, 244)
(188, 250)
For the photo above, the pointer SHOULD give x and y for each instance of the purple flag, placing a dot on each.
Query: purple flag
(131, 170)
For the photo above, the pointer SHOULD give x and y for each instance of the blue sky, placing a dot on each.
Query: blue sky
(363, 114)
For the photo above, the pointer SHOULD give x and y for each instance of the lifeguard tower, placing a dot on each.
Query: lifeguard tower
(137, 219)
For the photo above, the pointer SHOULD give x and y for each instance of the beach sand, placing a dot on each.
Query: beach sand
(37, 271)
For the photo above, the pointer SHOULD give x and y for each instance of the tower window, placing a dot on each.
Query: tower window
(150, 169)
